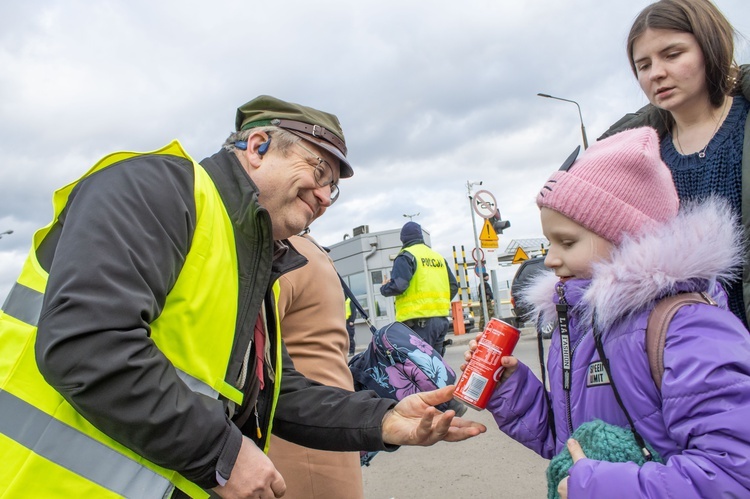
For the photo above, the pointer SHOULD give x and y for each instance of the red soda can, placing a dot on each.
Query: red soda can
(483, 372)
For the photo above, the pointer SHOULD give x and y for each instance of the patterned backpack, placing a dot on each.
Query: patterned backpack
(398, 363)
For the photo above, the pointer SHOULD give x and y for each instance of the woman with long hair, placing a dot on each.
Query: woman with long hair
(682, 53)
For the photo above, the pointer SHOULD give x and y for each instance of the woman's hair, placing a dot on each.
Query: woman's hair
(711, 29)
(282, 140)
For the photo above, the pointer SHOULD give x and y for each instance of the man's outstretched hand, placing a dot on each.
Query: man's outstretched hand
(414, 421)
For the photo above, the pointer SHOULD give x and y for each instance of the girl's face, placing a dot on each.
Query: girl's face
(573, 249)
(671, 69)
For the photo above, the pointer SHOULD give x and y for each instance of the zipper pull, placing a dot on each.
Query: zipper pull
(257, 423)
(560, 288)
(562, 305)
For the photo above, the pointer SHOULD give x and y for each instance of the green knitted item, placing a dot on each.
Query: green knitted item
(601, 441)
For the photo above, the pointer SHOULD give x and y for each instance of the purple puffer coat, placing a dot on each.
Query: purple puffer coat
(699, 420)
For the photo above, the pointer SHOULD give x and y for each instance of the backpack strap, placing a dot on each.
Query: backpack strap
(350, 295)
(605, 362)
(658, 322)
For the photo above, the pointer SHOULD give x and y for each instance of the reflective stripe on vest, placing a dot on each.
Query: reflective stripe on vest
(69, 448)
(24, 304)
(428, 294)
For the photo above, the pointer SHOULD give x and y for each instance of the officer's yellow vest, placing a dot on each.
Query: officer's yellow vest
(49, 450)
(428, 294)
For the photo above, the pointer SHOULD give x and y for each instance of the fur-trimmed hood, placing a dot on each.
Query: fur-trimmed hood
(701, 245)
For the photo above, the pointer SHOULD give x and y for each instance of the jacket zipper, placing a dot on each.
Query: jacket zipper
(258, 433)
(387, 346)
(566, 351)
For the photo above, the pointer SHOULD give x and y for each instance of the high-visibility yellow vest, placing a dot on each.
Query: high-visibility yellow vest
(347, 308)
(49, 450)
(428, 294)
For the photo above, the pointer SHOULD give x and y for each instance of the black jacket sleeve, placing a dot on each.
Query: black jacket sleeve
(123, 238)
(329, 418)
(403, 270)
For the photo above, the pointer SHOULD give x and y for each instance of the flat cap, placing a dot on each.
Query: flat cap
(318, 127)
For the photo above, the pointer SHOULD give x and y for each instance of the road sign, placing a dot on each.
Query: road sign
(520, 256)
(477, 254)
(488, 237)
(479, 269)
(484, 204)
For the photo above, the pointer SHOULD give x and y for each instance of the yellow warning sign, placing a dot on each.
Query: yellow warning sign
(488, 237)
(488, 232)
(520, 255)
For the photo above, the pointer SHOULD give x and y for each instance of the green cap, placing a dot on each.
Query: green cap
(321, 128)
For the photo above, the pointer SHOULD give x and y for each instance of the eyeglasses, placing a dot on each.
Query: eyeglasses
(323, 173)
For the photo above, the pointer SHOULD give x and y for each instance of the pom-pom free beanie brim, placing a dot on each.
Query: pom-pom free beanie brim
(619, 186)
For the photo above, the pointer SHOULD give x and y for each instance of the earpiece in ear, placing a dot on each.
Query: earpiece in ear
(241, 144)
(263, 148)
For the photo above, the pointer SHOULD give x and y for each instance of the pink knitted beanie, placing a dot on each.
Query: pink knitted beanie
(618, 186)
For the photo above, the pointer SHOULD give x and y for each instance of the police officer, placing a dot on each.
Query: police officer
(351, 315)
(423, 285)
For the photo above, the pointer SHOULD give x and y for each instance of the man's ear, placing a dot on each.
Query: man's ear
(257, 146)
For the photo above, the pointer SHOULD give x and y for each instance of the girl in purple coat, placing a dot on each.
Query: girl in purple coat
(619, 242)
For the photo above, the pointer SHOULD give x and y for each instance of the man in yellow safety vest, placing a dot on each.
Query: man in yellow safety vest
(141, 351)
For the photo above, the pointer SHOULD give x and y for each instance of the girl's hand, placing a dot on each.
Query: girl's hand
(577, 454)
(472, 347)
(509, 362)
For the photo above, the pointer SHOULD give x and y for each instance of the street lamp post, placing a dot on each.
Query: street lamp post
(411, 216)
(4, 233)
(583, 128)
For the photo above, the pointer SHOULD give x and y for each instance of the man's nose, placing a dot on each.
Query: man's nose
(323, 195)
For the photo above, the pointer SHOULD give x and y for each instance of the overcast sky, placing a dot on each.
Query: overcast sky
(430, 96)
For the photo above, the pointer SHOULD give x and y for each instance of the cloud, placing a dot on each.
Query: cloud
(430, 95)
